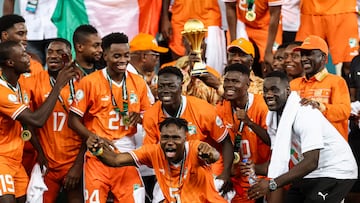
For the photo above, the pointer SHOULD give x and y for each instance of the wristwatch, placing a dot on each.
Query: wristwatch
(272, 185)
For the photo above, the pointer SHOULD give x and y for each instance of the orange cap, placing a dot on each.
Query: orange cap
(314, 42)
(243, 44)
(144, 42)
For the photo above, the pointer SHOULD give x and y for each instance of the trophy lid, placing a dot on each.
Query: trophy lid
(193, 25)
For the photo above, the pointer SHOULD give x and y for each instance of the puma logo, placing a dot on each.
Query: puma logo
(323, 195)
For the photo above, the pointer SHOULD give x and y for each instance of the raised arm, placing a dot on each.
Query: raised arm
(108, 156)
(231, 18)
(40, 116)
(8, 7)
(275, 12)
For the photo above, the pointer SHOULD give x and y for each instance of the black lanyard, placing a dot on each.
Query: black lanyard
(61, 100)
(237, 142)
(124, 96)
(81, 68)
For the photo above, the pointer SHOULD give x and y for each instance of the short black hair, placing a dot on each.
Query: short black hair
(65, 41)
(283, 45)
(114, 38)
(278, 74)
(8, 21)
(179, 122)
(238, 67)
(298, 43)
(171, 70)
(6, 50)
(82, 32)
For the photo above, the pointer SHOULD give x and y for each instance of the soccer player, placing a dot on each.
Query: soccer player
(244, 114)
(181, 166)
(204, 124)
(88, 51)
(16, 117)
(109, 104)
(60, 144)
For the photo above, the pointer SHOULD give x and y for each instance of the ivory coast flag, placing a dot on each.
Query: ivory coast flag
(107, 16)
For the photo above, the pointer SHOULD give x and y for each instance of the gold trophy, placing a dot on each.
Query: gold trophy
(194, 32)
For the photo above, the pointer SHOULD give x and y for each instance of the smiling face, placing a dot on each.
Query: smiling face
(172, 142)
(169, 90)
(54, 56)
(292, 63)
(278, 62)
(236, 55)
(117, 58)
(20, 59)
(91, 48)
(276, 93)
(313, 61)
(235, 85)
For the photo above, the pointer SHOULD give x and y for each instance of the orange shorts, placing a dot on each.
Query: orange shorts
(13, 180)
(100, 179)
(259, 36)
(340, 31)
(54, 180)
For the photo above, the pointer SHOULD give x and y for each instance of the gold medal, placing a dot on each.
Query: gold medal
(126, 120)
(250, 15)
(26, 135)
(98, 152)
(236, 158)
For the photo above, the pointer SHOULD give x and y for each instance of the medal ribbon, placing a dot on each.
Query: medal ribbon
(81, 68)
(250, 4)
(124, 96)
(181, 175)
(61, 100)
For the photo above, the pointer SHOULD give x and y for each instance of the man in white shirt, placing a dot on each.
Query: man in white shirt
(324, 168)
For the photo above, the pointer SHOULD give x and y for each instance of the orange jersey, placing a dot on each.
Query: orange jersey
(332, 91)
(35, 67)
(261, 9)
(203, 122)
(149, 16)
(11, 143)
(196, 184)
(207, 11)
(252, 147)
(327, 7)
(94, 101)
(61, 145)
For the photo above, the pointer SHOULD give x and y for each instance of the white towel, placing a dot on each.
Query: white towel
(229, 195)
(279, 163)
(36, 187)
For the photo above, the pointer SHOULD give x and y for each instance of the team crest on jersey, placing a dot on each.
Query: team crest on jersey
(353, 42)
(12, 98)
(70, 99)
(133, 98)
(26, 75)
(26, 98)
(218, 121)
(192, 129)
(79, 95)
